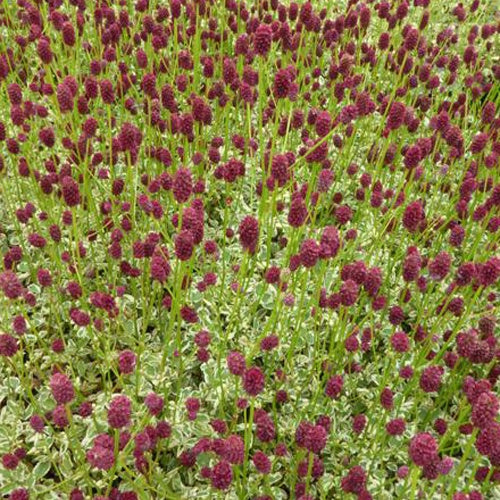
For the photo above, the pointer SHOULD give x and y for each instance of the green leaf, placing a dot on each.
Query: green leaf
(41, 469)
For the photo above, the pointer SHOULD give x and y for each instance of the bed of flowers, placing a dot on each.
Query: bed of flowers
(249, 249)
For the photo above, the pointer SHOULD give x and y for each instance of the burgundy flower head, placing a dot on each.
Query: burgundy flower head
(262, 40)
(413, 216)
(423, 449)
(62, 388)
(119, 412)
(249, 233)
(253, 381)
(221, 476)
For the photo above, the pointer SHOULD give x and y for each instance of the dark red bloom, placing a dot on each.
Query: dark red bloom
(60, 416)
(44, 277)
(343, 214)
(101, 457)
(261, 462)
(119, 412)
(400, 342)
(354, 481)
(266, 431)
(334, 386)
(270, 342)
(19, 494)
(298, 212)
(68, 33)
(282, 83)
(439, 267)
(107, 92)
(10, 285)
(396, 427)
(412, 157)
(222, 475)
(262, 40)
(234, 449)
(253, 381)
(478, 143)
(413, 216)
(188, 314)
(316, 439)
(70, 191)
(62, 388)
(387, 398)
(309, 253)
(64, 98)
(423, 449)
(430, 379)
(184, 245)
(489, 272)
(359, 423)
(349, 293)
(329, 242)
(396, 115)
(396, 315)
(485, 409)
(10, 461)
(154, 403)
(249, 233)
(323, 123)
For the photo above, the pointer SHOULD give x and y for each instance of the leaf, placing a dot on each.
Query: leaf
(13, 382)
(41, 469)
